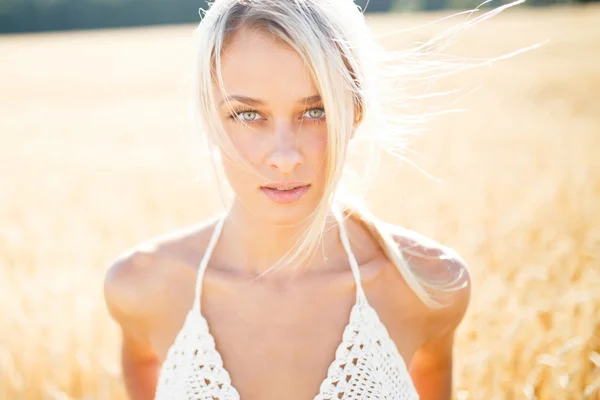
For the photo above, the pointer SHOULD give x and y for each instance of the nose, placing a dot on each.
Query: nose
(285, 155)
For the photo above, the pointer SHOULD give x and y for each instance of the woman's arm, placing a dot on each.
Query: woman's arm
(140, 369)
(431, 366)
(127, 305)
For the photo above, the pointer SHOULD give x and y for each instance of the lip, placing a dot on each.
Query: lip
(284, 185)
(293, 191)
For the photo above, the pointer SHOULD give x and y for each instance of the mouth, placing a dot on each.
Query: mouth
(285, 192)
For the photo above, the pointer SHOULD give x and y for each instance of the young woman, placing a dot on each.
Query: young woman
(293, 293)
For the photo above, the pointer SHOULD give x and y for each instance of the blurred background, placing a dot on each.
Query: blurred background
(45, 15)
(97, 155)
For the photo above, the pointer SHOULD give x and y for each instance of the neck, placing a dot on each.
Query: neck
(259, 244)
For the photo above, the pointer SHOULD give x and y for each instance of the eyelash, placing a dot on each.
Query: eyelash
(235, 115)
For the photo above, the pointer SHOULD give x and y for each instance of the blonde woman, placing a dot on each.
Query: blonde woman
(292, 293)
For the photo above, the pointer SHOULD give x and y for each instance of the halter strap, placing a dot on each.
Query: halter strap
(204, 262)
(360, 294)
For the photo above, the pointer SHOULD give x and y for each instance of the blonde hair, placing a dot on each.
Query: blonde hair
(351, 71)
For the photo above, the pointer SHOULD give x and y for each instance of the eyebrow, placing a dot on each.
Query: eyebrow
(257, 102)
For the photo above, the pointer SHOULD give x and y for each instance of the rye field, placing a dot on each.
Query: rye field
(96, 156)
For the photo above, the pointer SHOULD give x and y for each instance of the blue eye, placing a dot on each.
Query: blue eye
(315, 113)
(247, 116)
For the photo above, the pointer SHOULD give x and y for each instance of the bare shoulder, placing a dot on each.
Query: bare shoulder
(140, 277)
(435, 262)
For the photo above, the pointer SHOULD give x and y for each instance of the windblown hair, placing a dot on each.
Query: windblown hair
(351, 71)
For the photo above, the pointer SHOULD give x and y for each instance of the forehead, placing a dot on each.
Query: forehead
(257, 64)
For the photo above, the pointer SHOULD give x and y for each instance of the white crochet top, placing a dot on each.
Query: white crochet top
(367, 363)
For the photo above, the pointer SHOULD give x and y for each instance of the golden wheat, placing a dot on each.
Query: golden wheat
(94, 154)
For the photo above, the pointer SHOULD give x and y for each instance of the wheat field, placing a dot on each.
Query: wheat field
(95, 156)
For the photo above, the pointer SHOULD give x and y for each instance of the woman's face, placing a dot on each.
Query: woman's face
(277, 124)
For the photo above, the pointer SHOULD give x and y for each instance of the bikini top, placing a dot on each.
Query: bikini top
(367, 363)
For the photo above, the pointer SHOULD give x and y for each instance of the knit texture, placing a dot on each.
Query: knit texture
(367, 363)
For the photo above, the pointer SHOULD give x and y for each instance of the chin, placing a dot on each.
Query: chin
(264, 211)
(288, 214)
(277, 209)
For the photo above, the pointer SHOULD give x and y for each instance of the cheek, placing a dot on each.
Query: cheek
(314, 147)
(253, 146)
(236, 174)
(252, 149)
